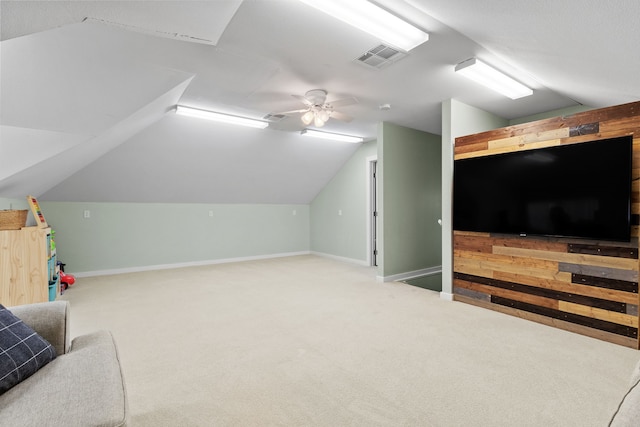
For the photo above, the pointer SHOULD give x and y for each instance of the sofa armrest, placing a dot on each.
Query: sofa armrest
(628, 412)
(49, 319)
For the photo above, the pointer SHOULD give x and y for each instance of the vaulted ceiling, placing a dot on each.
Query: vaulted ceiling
(87, 88)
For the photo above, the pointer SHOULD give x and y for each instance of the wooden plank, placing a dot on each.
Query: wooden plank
(608, 273)
(507, 259)
(580, 259)
(601, 116)
(603, 282)
(511, 131)
(568, 287)
(470, 233)
(469, 148)
(625, 124)
(487, 268)
(604, 114)
(457, 290)
(472, 243)
(584, 129)
(509, 149)
(593, 137)
(509, 294)
(579, 319)
(603, 250)
(554, 294)
(523, 140)
(552, 322)
(544, 244)
(598, 313)
(471, 269)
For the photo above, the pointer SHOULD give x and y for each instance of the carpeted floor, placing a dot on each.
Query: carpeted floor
(308, 341)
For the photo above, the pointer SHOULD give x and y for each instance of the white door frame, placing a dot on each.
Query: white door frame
(372, 198)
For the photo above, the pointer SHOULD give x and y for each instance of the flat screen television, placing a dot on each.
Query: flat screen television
(580, 190)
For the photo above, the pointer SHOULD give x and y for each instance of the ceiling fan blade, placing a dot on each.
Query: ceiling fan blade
(304, 100)
(291, 112)
(341, 116)
(343, 102)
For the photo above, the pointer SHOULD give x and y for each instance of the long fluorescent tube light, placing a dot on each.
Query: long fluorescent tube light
(374, 20)
(220, 117)
(482, 73)
(333, 136)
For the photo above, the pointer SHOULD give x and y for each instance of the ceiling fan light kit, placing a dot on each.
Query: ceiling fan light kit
(374, 20)
(488, 76)
(332, 136)
(318, 110)
(220, 117)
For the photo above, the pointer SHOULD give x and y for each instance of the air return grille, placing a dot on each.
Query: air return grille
(274, 118)
(380, 56)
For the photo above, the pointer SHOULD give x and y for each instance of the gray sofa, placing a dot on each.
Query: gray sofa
(83, 386)
(628, 412)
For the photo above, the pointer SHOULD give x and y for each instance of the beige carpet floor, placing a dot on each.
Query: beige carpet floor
(309, 341)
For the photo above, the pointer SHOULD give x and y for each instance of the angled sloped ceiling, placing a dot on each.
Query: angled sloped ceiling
(188, 160)
(88, 116)
(68, 97)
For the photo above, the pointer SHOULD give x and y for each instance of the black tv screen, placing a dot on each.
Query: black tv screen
(580, 190)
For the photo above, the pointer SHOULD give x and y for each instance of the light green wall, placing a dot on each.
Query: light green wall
(17, 204)
(344, 235)
(458, 119)
(409, 166)
(13, 203)
(549, 114)
(132, 235)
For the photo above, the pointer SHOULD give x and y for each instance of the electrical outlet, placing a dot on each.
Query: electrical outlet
(211, 214)
(339, 212)
(295, 212)
(87, 213)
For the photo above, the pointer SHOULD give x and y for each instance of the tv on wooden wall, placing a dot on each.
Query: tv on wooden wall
(580, 190)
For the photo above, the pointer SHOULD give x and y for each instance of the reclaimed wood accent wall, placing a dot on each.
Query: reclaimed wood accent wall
(587, 287)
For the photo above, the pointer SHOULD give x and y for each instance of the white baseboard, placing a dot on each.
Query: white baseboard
(340, 258)
(184, 264)
(446, 296)
(411, 274)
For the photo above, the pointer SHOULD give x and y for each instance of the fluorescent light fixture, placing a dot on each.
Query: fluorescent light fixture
(220, 117)
(374, 20)
(333, 136)
(482, 73)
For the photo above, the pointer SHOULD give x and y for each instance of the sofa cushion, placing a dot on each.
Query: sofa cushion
(22, 350)
(82, 388)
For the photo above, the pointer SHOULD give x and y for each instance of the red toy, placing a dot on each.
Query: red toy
(66, 280)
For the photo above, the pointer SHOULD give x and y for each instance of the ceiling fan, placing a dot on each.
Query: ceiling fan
(317, 110)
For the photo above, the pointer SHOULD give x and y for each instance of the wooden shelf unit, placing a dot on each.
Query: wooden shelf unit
(27, 266)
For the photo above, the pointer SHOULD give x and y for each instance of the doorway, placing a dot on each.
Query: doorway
(373, 211)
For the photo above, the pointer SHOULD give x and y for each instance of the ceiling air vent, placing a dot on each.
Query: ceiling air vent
(380, 56)
(273, 118)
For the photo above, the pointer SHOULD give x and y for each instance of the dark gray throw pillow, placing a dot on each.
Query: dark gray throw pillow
(22, 350)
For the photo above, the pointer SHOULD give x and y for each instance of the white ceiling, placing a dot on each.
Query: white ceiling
(87, 87)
